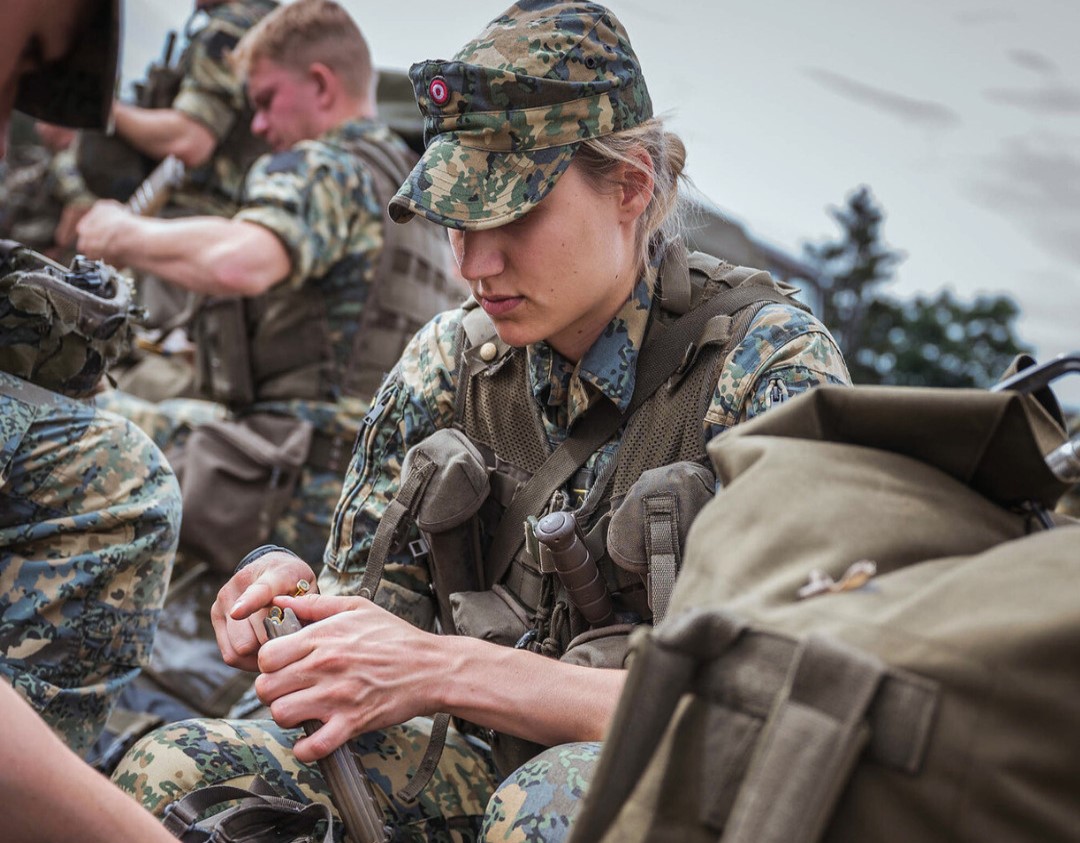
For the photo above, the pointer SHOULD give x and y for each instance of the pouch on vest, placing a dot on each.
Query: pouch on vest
(236, 479)
(445, 514)
(649, 526)
(223, 370)
(873, 635)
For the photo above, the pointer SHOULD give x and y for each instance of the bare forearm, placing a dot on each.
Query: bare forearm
(157, 132)
(209, 255)
(525, 694)
(52, 791)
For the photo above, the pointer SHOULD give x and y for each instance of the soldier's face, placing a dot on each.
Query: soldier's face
(285, 104)
(34, 33)
(560, 273)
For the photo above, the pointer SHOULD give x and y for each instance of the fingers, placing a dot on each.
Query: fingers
(316, 607)
(272, 575)
(328, 737)
(243, 601)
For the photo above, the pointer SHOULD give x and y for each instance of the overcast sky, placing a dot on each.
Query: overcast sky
(962, 116)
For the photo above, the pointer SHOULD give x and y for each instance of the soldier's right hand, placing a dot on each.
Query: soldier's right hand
(243, 602)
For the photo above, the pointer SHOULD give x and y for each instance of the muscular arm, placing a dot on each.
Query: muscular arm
(210, 255)
(52, 791)
(356, 667)
(157, 132)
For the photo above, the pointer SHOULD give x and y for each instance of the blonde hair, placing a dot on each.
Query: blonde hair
(302, 33)
(662, 221)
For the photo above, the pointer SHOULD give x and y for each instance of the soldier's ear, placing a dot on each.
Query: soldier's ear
(636, 182)
(325, 80)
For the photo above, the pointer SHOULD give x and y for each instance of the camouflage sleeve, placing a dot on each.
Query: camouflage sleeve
(88, 527)
(785, 351)
(415, 400)
(70, 186)
(318, 201)
(210, 91)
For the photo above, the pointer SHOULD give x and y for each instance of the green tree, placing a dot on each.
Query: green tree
(925, 341)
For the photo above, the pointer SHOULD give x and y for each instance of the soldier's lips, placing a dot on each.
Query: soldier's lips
(500, 305)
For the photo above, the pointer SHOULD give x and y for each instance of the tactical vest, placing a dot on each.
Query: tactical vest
(499, 443)
(239, 146)
(497, 412)
(271, 347)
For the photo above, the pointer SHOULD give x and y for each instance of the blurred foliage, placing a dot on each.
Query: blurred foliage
(925, 341)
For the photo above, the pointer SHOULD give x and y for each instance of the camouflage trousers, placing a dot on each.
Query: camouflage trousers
(89, 518)
(461, 803)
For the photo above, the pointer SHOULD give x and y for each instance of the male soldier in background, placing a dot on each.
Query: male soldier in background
(206, 120)
(89, 510)
(311, 295)
(196, 111)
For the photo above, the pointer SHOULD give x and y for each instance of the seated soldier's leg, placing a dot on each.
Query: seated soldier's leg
(176, 759)
(168, 423)
(89, 517)
(540, 799)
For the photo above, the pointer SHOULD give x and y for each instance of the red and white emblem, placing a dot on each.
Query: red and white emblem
(439, 91)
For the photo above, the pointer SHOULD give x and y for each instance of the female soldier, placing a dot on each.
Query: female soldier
(558, 188)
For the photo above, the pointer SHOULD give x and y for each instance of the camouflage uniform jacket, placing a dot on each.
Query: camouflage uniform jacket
(318, 199)
(785, 351)
(33, 193)
(89, 519)
(211, 93)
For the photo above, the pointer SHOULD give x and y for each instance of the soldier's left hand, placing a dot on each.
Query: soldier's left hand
(98, 227)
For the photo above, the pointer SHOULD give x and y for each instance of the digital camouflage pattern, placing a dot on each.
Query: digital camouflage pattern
(502, 119)
(211, 93)
(177, 758)
(89, 519)
(785, 351)
(62, 327)
(35, 188)
(541, 798)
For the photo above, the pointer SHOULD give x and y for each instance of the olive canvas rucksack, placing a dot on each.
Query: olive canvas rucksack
(875, 634)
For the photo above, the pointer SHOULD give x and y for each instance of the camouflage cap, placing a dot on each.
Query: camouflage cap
(78, 89)
(503, 118)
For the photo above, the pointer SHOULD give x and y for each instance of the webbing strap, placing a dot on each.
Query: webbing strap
(664, 664)
(258, 808)
(809, 747)
(664, 349)
(661, 548)
(439, 725)
(403, 504)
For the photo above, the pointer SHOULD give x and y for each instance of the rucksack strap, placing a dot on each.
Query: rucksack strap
(260, 816)
(827, 702)
(809, 747)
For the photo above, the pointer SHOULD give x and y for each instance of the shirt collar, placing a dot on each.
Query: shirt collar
(608, 368)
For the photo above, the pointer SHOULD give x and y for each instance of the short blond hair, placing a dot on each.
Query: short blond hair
(662, 222)
(299, 34)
